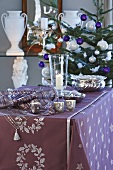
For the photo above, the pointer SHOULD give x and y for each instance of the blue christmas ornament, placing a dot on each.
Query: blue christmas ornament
(41, 64)
(83, 17)
(106, 69)
(79, 41)
(98, 24)
(66, 38)
(46, 56)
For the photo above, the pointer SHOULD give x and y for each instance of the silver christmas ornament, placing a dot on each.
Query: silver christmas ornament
(97, 52)
(90, 25)
(92, 59)
(103, 45)
(73, 45)
(79, 65)
(46, 72)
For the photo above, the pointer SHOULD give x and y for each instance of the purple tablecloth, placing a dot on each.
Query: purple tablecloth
(91, 146)
(81, 139)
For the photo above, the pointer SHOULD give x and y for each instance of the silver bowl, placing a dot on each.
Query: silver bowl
(88, 82)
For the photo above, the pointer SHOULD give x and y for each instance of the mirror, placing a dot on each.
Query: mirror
(27, 6)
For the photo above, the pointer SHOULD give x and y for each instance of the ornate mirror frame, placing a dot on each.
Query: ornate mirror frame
(36, 48)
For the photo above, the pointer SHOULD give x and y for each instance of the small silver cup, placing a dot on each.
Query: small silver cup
(59, 106)
(70, 104)
(35, 106)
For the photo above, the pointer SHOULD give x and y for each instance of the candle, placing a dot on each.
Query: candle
(44, 23)
(59, 81)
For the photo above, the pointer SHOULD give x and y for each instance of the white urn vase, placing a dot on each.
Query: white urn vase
(70, 17)
(14, 24)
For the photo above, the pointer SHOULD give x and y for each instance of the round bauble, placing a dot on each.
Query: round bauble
(46, 56)
(83, 17)
(46, 72)
(79, 65)
(106, 69)
(79, 41)
(103, 45)
(90, 25)
(98, 24)
(92, 59)
(73, 45)
(41, 64)
(97, 52)
(66, 38)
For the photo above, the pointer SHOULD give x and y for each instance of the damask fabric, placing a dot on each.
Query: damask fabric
(21, 98)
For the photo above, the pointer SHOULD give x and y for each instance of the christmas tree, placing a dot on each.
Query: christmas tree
(88, 45)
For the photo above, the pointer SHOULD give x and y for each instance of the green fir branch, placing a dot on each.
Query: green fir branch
(107, 11)
(88, 13)
(52, 3)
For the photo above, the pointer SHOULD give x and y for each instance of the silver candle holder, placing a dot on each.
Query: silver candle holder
(59, 106)
(59, 71)
(70, 105)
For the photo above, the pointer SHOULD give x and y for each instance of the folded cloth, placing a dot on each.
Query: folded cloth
(22, 97)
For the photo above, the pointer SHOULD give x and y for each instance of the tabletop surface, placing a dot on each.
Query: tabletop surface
(45, 137)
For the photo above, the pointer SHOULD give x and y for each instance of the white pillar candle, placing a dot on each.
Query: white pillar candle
(59, 81)
(44, 23)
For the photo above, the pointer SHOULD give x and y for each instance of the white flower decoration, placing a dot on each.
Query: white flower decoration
(60, 39)
(50, 46)
(95, 69)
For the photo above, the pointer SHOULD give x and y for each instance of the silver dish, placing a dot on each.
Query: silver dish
(88, 82)
(73, 95)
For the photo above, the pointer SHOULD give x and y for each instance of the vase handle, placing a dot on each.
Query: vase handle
(4, 15)
(60, 16)
(26, 18)
(79, 15)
